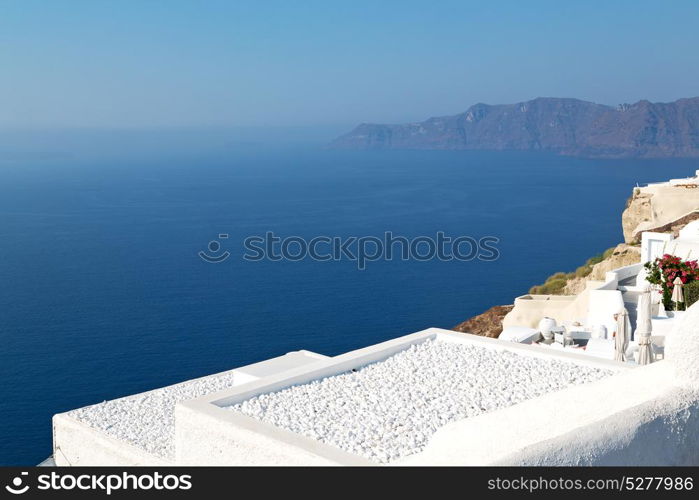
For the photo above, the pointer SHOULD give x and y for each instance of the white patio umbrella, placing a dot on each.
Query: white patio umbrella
(644, 327)
(621, 337)
(677, 293)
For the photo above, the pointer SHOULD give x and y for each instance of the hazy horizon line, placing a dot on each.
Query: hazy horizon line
(342, 124)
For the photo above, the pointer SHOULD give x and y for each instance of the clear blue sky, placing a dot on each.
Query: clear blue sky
(123, 63)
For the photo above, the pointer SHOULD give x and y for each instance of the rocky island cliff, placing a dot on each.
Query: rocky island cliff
(560, 125)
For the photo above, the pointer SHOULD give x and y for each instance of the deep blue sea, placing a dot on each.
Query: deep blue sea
(103, 294)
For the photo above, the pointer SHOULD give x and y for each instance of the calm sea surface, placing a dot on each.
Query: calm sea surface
(103, 293)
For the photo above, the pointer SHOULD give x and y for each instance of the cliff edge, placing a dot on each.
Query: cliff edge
(664, 207)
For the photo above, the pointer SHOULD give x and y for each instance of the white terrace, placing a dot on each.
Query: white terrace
(576, 409)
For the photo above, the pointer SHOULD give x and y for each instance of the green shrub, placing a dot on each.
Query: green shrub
(555, 283)
(557, 276)
(608, 252)
(555, 287)
(691, 293)
(594, 260)
(583, 271)
(551, 287)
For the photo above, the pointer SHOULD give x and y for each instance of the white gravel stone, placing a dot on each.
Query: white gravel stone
(390, 409)
(148, 420)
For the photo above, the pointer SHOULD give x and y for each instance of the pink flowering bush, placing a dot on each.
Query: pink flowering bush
(663, 271)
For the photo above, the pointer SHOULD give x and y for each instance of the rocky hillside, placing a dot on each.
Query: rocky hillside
(622, 255)
(487, 324)
(564, 126)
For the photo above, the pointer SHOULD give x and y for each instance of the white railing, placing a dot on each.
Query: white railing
(620, 274)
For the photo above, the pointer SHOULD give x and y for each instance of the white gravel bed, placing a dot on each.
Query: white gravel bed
(390, 409)
(148, 420)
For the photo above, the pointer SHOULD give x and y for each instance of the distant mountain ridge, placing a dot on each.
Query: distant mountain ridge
(562, 125)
